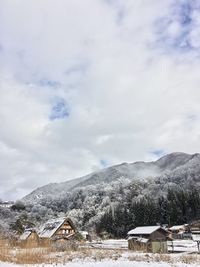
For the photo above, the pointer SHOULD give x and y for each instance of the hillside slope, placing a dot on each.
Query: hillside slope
(114, 200)
(175, 168)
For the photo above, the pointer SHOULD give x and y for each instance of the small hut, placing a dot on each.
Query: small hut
(179, 231)
(29, 238)
(85, 235)
(195, 226)
(148, 239)
(60, 229)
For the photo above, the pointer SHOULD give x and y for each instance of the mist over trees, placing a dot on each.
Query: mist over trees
(114, 200)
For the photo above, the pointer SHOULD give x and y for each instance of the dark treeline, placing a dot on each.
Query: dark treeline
(178, 207)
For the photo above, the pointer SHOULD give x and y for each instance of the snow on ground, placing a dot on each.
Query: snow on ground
(110, 244)
(187, 246)
(127, 258)
(106, 264)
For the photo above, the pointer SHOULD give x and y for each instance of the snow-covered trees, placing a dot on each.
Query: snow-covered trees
(111, 209)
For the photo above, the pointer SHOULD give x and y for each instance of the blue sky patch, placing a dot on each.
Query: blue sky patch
(174, 31)
(104, 163)
(184, 10)
(60, 110)
(158, 152)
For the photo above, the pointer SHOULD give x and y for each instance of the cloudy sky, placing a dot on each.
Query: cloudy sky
(85, 84)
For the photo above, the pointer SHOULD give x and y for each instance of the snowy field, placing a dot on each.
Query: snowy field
(110, 244)
(113, 253)
(108, 264)
(186, 246)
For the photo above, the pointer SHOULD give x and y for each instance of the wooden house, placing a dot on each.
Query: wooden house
(59, 229)
(148, 239)
(180, 231)
(6, 204)
(195, 226)
(29, 238)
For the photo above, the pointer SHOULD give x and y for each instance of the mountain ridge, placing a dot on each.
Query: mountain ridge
(163, 168)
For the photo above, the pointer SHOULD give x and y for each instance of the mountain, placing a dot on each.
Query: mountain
(111, 201)
(173, 169)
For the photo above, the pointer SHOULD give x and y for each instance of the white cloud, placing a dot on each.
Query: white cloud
(125, 96)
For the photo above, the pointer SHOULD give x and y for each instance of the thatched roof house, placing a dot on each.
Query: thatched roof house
(60, 228)
(29, 238)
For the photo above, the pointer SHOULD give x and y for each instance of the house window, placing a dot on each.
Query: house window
(65, 231)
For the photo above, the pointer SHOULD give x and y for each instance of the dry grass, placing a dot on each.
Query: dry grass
(189, 259)
(148, 257)
(52, 255)
(67, 253)
(172, 259)
(24, 256)
(4, 254)
(163, 258)
(139, 257)
(30, 256)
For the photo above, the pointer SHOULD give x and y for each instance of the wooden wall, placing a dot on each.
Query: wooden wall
(65, 229)
(151, 246)
(159, 246)
(158, 235)
(31, 242)
(139, 246)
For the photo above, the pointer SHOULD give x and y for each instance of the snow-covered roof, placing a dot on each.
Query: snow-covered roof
(51, 226)
(144, 230)
(177, 227)
(27, 233)
(196, 237)
(83, 233)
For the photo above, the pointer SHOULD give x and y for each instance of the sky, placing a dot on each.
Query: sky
(89, 84)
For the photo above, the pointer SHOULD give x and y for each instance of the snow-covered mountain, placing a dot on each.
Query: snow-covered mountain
(116, 199)
(173, 169)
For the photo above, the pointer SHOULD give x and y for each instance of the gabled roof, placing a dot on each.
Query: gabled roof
(27, 233)
(177, 227)
(144, 230)
(51, 226)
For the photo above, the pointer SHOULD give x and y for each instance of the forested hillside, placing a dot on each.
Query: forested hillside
(114, 200)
